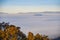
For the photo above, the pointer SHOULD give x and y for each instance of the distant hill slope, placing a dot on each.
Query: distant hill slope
(45, 12)
(51, 12)
(3, 13)
(33, 12)
(58, 38)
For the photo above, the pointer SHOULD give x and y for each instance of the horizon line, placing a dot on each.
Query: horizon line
(29, 12)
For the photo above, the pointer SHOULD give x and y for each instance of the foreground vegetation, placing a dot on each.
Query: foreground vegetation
(11, 32)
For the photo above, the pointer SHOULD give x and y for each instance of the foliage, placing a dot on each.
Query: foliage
(38, 37)
(30, 36)
(11, 32)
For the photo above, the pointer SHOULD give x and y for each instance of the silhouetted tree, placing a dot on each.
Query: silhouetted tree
(3, 25)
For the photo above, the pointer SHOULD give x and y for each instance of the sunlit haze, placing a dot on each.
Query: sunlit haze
(16, 6)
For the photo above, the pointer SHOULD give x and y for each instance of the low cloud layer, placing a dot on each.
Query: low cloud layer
(44, 23)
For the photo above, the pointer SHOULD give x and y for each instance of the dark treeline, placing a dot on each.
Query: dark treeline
(11, 32)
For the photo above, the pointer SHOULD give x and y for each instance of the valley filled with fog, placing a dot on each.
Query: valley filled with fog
(43, 23)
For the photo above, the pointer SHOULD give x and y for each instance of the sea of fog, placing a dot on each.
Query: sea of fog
(43, 23)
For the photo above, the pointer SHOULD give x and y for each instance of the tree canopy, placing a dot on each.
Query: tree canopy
(12, 32)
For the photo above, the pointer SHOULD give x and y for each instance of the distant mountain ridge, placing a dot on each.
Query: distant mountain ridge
(51, 12)
(33, 12)
(3, 13)
(42, 12)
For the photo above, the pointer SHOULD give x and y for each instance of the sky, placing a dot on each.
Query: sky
(16, 6)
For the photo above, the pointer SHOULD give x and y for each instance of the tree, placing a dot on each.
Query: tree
(38, 37)
(30, 36)
(45, 37)
(11, 32)
(2, 35)
(3, 25)
(21, 35)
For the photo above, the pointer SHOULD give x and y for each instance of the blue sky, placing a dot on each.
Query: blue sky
(30, 2)
(25, 4)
